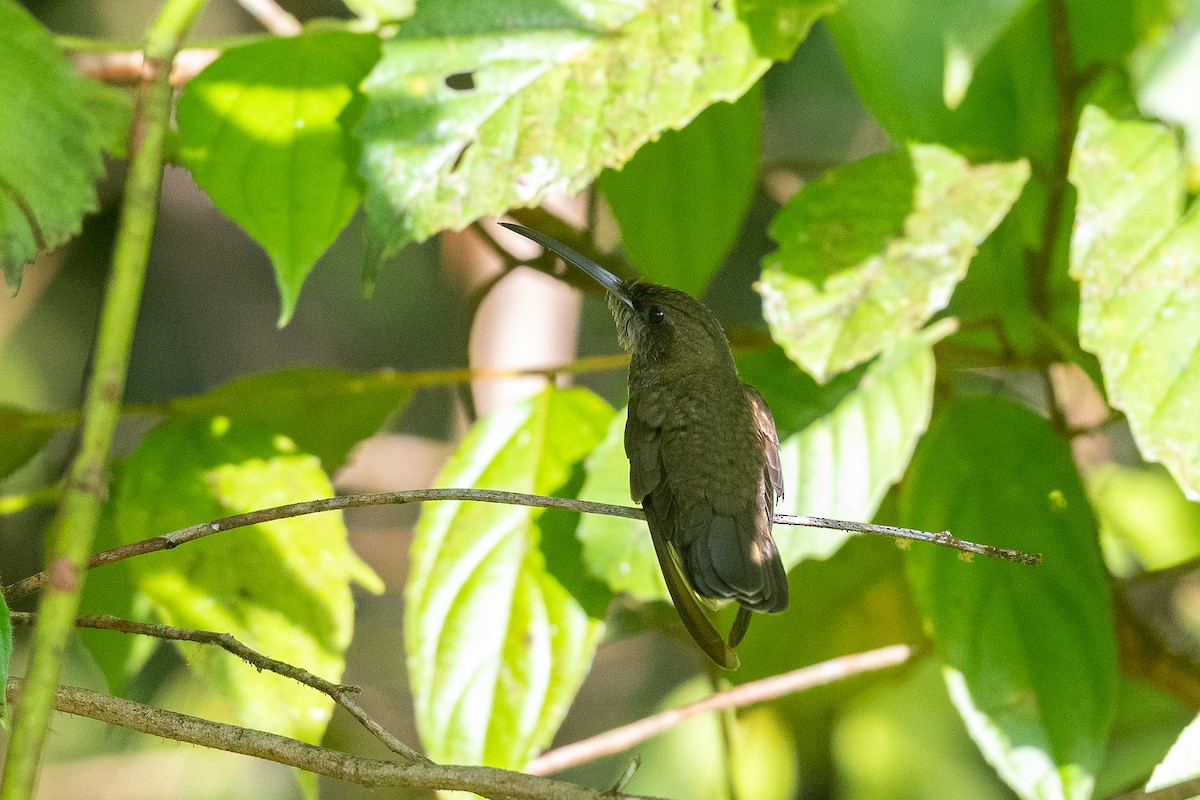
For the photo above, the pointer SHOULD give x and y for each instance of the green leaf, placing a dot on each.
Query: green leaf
(1136, 255)
(872, 250)
(111, 111)
(681, 200)
(478, 107)
(265, 130)
(1029, 653)
(5, 657)
(777, 26)
(324, 411)
(49, 151)
(498, 638)
(970, 29)
(23, 434)
(843, 464)
(282, 588)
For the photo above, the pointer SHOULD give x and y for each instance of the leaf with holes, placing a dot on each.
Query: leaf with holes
(680, 202)
(1136, 255)
(49, 149)
(477, 107)
(501, 620)
(871, 251)
(282, 588)
(265, 130)
(1029, 653)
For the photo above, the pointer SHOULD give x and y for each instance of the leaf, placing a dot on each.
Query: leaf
(843, 464)
(1029, 653)
(111, 111)
(777, 26)
(324, 411)
(969, 31)
(1137, 261)
(680, 202)
(49, 151)
(22, 435)
(1182, 762)
(855, 444)
(5, 658)
(265, 130)
(497, 643)
(282, 588)
(872, 250)
(476, 107)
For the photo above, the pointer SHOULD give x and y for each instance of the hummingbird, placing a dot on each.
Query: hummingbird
(703, 454)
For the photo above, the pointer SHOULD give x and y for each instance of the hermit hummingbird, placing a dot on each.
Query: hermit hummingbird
(703, 454)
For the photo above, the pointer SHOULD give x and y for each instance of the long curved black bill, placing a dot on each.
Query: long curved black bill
(602, 276)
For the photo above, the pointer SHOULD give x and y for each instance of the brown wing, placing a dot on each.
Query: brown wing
(766, 430)
(642, 436)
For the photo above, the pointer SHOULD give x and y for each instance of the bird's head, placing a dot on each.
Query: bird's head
(659, 326)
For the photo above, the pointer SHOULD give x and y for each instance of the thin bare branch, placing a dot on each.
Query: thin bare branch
(489, 782)
(168, 541)
(340, 693)
(124, 68)
(272, 17)
(620, 739)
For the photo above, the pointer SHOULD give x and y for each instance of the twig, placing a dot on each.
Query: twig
(122, 68)
(486, 781)
(73, 528)
(619, 739)
(339, 692)
(272, 17)
(168, 541)
(943, 538)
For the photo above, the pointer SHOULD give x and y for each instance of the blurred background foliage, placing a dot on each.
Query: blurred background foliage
(978, 81)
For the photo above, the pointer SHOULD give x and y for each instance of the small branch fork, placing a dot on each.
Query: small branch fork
(340, 693)
(168, 541)
(416, 771)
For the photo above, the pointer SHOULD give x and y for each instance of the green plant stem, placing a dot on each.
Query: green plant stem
(74, 526)
(1041, 261)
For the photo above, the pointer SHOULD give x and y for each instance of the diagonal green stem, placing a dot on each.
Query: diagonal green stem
(73, 528)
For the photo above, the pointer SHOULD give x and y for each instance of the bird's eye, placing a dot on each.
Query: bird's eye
(655, 315)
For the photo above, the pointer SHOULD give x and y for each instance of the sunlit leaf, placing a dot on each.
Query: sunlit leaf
(502, 620)
(478, 107)
(49, 150)
(1182, 762)
(265, 130)
(1029, 653)
(1136, 255)
(681, 200)
(872, 250)
(282, 588)
(842, 464)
